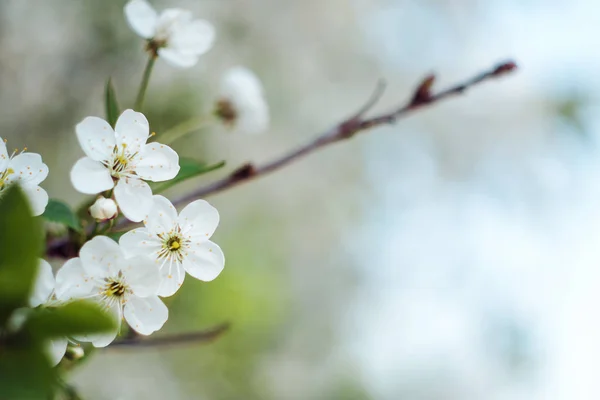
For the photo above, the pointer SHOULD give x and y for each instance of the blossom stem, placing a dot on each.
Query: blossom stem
(185, 128)
(139, 101)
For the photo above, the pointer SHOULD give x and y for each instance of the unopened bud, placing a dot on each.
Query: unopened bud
(104, 209)
(74, 352)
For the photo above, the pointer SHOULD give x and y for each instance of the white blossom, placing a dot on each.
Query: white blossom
(124, 287)
(120, 158)
(104, 209)
(28, 170)
(241, 104)
(178, 243)
(43, 295)
(173, 35)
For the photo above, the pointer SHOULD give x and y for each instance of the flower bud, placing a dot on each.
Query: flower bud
(104, 209)
(74, 352)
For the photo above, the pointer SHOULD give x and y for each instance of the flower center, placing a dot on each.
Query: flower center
(115, 289)
(4, 177)
(174, 245)
(121, 164)
(226, 112)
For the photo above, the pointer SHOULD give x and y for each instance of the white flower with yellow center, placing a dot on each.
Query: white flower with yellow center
(178, 243)
(27, 170)
(173, 35)
(241, 105)
(125, 287)
(120, 158)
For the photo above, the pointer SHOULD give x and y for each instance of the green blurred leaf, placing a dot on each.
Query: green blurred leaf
(111, 104)
(25, 372)
(77, 318)
(21, 243)
(189, 168)
(57, 211)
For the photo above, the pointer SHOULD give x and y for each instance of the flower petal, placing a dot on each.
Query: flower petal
(90, 177)
(162, 217)
(195, 37)
(141, 273)
(56, 349)
(204, 261)
(140, 241)
(43, 286)
(3, 155)
(176, 58)
(157, 162)
(146, 315)
(172, 276)
(72, 281)
(96, 138)
(101, 257)
(132, 130)
(199, 220)
(38, 199)
(134, 197)
(29, 170)
(106, 338)
(142, 18)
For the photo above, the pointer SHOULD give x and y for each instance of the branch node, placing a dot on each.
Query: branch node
(422, 94)
(505, 68)
(244, 172)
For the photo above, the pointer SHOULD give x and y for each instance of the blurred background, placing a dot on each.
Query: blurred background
(455, 255)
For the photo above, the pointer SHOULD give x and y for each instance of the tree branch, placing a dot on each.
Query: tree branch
(203, 336)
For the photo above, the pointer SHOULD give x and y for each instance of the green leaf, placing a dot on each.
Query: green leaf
(21, 243)
(57, 211)
(110, 102)
(189, 168)
(25, 372)
(76, 318)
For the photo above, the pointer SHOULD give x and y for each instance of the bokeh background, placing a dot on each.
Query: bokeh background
(455, 255)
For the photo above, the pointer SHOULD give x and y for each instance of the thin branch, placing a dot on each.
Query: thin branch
(203, 336)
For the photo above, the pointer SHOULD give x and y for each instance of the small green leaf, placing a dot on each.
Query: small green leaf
(57, 211)
(25, 372)
(111, 104)
(21, 243)
(189, 168)
(77, 318)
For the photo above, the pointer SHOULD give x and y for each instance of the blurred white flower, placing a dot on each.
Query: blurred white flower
(241, 104)
(178, 243)
(104, 209)
(173, 35)
(125, 287)
(28, 170)
(42, 295)
(120, 158)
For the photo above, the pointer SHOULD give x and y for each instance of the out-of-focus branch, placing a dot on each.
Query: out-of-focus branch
(346, 129)
(421, 97)
(204, 336)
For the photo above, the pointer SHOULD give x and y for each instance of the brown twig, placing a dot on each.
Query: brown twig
(204, 336)
(421, 96)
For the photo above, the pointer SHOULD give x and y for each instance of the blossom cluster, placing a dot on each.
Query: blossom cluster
(127, 277)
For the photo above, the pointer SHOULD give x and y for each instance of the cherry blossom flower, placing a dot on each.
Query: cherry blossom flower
(125, 287)
(242, 106)
(173, 35)
(28, 170)
(120, 158)
(43, 295)
(104, 209)
(178, 243)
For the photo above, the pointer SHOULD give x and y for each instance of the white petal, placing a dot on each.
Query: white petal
(134, 197)
(169, 19)
(140, 241)
(90, 177)
(162, 217)
(101, 257)
(132, 129)
(72, 281)
(96, 138)
(178, 59)
(195, 37)
(29, 170)
(172, 276)
(204, 261)
(141, 17)
(43, 286)
(199, 220)
(56, 350)
(157, 162)
(38, 199)
(3, 155)
(142, 276)
(104, 339)
(146, 315)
